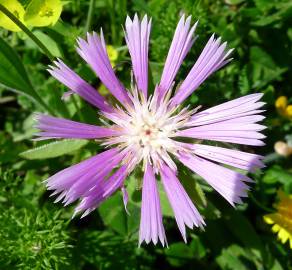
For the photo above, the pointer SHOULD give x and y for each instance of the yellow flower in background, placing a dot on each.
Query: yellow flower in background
(16, 9)
(38, 13)
(282, 219)
(43, 12)
(289, 111)
(281, 102)
(112, 54)
(282, 107)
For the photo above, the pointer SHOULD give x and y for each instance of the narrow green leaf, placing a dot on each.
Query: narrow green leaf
(243, 230)
(51, 44)
(113, 214)
(193, 189)
(178, 254)
(13, 74)
(165, 206)
(54, 149)
(198, 247)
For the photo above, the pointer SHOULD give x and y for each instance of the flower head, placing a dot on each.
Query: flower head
(282, 219)
(154, 130)
(43, 13)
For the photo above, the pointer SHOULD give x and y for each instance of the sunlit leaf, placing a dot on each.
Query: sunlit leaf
(51, 44)
(54, 149)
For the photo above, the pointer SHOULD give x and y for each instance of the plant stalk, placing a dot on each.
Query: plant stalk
(89, 16)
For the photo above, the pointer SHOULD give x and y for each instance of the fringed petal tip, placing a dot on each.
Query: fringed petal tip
(101, 190)
(151, 225)
(67, 95)
(182, 42)
(185, 212)
(58, 65)
(233, 121)
(213, 57)
(93, 51)
(78, 181)
(76, 84)
(125, 199)
(228, 183)
(163, 242)
(137, 38)
(238, 159)
(37, 116)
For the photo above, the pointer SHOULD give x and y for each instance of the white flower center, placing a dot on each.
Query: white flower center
(148, 130)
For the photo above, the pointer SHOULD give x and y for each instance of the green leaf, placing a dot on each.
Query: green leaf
(276, 265)
(259, 56)
(234, 2)
(243, 82)
(241, 228)
(134, 187)
(165, 206)
(198, 247)
(276, 174)
(51, 44)
(234, 257)
(211, 211)
(178, 254)
(54, 149)
(113, 214)
(262, 68)
(13, 74)
(193, 189)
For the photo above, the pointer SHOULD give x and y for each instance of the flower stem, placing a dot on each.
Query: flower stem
(89, 16)
(27, 31)
(258, 204)
(112, 14)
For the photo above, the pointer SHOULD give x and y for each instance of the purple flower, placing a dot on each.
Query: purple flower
(151, 130)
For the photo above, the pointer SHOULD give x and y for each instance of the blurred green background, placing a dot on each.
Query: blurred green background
(35, 233)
